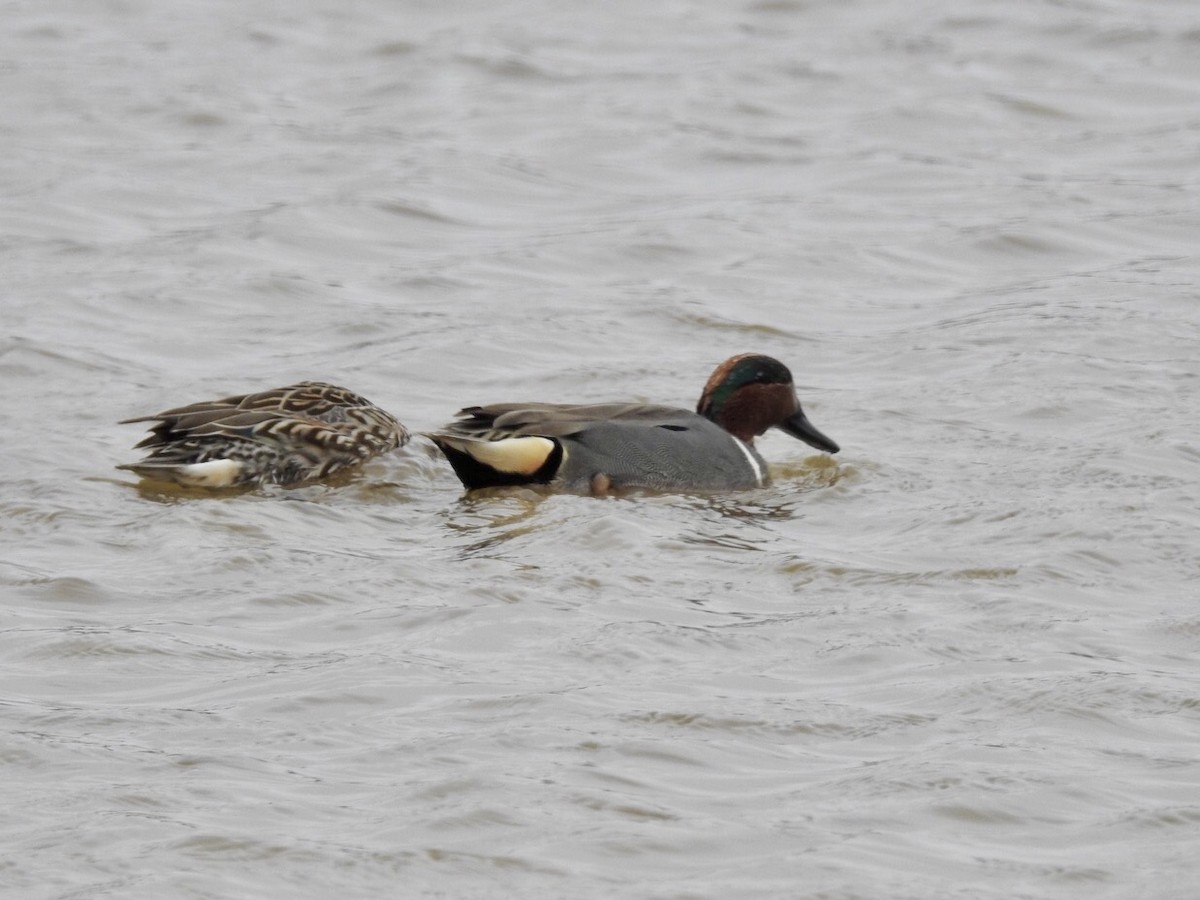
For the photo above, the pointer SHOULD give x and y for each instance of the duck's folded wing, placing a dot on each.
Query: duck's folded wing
(555, 420)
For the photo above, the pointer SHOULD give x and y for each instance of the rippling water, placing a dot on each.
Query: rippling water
(957, 660)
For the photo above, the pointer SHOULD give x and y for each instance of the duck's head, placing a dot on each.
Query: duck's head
(750, 393)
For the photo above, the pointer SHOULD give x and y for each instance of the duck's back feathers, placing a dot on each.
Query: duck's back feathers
(555, 419)
(284, 436)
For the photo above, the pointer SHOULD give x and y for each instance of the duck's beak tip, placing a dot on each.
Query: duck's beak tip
(798, 426)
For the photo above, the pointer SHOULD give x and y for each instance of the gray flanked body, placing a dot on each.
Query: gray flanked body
(685, 452)
(633, 446)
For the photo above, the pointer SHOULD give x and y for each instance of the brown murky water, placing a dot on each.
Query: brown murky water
(957, 660)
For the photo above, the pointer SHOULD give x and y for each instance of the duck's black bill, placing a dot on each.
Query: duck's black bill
(798, 426)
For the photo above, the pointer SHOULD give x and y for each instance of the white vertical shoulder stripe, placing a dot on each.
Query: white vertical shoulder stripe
(759, 474)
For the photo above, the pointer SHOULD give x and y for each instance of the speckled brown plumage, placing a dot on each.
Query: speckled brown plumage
(283, 436)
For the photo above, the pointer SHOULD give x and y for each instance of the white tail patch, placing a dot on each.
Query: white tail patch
(515, 455)
(215, 473)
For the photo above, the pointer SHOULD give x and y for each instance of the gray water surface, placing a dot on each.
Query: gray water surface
(957, 660)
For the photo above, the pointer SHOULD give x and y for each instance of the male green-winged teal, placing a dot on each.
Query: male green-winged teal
(596, 448)
(282, 436)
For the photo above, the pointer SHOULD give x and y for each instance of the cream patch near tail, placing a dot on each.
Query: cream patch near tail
(215, 473)
(515, 455)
